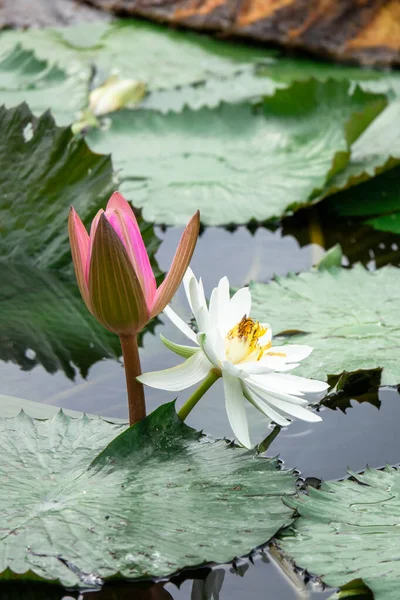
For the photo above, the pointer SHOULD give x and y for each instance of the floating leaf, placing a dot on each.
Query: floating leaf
(158, 498)
(348, 530)
(373, 197)
(212, 160)
(24, 78)
(10, 406)
(44, 171)
(178, 68)
(43, 320)
(375, 151)
(349, 317)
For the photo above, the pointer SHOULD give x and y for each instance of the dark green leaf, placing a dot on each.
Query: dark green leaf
(158, 498)
(375, 151)
(43, 320)
(362, 386)
(43, 171)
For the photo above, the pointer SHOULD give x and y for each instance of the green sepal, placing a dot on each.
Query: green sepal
(181, 350)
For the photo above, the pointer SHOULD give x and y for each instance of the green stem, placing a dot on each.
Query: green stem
(265, 444)
(136, 403)
(189, 405)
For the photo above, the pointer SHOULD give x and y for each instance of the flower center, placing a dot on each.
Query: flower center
(242, 342)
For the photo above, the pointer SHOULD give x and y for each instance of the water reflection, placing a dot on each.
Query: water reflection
(259, 578)
(363, 435)
(360, 243)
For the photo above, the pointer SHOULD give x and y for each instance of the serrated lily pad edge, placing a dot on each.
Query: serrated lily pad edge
(93, 582)
(356, 584)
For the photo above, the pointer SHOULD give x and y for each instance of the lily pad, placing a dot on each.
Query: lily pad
(42, 85)
(44, 171)
(179, 68)
(158, 498)
(10, 406)
(349, 316)
(348, 530)
(43, 320)
(275, 156)
(375, 151)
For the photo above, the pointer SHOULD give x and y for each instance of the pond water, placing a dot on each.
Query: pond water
(363, 435)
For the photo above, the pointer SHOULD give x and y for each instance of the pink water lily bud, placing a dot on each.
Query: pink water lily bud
(113, 268)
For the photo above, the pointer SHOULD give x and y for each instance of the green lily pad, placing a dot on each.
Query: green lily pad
(275, 156)
(348, 530)
(349, 316)
(158, 498)
(375, 151)
(180, 68)
(24, 78)
(374, 197)
(10, 406)
(43, 320)
(44, 171)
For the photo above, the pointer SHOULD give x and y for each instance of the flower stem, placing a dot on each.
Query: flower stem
(130, 353)
(189, 405)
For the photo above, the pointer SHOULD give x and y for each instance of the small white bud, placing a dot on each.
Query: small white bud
(115, 94)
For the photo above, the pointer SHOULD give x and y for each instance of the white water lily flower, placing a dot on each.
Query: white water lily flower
(231, 344)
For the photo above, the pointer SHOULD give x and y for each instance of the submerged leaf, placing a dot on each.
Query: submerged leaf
(158, 498)
(349, 317)
(348, 530)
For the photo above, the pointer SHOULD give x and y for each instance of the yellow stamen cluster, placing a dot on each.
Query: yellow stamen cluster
(243, 341)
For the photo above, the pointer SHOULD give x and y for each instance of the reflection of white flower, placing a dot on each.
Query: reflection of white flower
(231, 344)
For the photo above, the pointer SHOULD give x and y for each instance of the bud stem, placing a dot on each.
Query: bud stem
(130, 353)
(189, 405)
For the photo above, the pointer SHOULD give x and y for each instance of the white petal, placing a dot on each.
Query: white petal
(293, 352)
(235, 408)
(275, 363)
(265, 408)
(211, 346)
(180, 323)
(304, 414)
(266, 393)
(291, 407)
(199, 309)
(234, 370)
(255, 367)
(219, 305)
(239, 305)
(189, 275)
(301, 383)
(180, 377)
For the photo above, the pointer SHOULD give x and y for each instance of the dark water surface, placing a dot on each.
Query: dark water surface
(364, 435)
